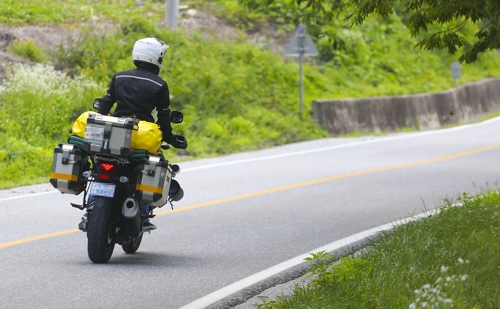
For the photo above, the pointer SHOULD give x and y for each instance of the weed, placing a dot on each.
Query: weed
(27, 49)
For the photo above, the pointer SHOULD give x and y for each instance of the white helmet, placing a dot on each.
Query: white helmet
(149, 50)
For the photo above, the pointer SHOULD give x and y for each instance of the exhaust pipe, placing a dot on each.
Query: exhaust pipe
(175, 192)
(130, 208)
(132, 216)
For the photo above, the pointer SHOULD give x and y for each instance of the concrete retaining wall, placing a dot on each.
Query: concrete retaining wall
(423, 111)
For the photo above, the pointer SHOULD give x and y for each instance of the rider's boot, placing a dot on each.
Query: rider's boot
(83, 224)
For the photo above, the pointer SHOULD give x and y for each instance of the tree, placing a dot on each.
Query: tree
(449, 16)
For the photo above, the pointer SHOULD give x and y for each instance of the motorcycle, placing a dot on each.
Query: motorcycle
(102, 160)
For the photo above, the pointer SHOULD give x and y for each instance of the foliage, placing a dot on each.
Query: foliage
(448, 260)
(27, 49)
(235, 95)
(450, 16)
(39, 102)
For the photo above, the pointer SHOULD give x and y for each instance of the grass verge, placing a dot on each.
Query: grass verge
(449, 260)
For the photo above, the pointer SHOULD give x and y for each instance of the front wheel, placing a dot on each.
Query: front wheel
(133, 244)
(100, 232)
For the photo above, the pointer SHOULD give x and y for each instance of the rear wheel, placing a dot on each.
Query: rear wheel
(133, 244)
(100, 232)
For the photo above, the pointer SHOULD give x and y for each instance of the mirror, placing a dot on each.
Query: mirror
(97, 102)
(176, 117)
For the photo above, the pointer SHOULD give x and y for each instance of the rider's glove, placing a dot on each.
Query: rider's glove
(171, 139)
(177, 141)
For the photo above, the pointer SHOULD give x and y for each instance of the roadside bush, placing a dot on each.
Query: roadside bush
(22, 162)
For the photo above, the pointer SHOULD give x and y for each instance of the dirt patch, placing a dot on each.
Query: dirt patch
(5, 39)
(192, 21)
(210, 27)
(47, 38)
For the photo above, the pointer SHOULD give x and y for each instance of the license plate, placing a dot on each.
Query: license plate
(102, 189)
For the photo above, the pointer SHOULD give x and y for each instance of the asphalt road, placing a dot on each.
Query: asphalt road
(241, 214)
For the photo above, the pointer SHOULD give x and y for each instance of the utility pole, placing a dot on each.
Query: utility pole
(171, 13)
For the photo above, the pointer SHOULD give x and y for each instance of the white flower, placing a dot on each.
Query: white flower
(460, 260)
(42, 80)
(444, 269)
(412, 306)
(464, 277)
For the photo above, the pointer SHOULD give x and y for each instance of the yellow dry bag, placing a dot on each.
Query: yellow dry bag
(147, 137)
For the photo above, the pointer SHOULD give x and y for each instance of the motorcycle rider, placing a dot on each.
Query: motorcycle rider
(138, 92)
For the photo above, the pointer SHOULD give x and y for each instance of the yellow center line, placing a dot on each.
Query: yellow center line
(26, 240)
(283, 188)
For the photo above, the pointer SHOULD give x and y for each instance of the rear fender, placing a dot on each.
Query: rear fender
(103, 202)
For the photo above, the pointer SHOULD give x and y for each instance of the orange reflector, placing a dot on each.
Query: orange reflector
(153, 189)
(60, 176)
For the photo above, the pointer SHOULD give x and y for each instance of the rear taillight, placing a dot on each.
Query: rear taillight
(106, 168)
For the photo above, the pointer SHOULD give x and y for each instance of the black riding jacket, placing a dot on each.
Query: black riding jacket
(137, 92)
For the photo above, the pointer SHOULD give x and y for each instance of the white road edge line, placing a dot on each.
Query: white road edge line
(27, 195)
(244, 283)
(378, 140)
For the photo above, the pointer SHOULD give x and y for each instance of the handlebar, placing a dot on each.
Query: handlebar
(180, 142)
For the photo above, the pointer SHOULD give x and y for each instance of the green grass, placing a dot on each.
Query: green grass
(74, 12)
(449, 260)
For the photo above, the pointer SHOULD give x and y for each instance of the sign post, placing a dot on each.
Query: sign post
(302, 46)
(456, 72)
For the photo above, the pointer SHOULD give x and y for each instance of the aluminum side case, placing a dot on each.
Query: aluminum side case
(107, 134)
(68, 164)
(153, 181)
